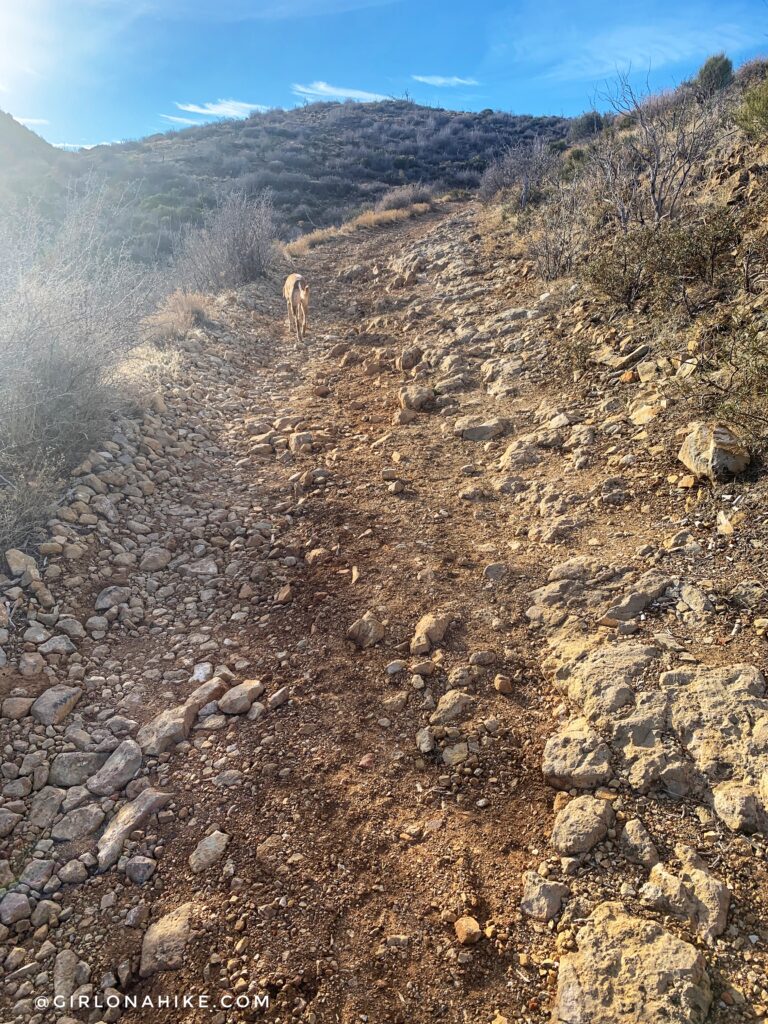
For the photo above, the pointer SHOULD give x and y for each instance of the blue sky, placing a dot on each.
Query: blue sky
(82, 72)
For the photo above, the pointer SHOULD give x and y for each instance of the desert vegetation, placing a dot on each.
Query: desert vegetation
(323, 164)
(638, 208)
(85, 327)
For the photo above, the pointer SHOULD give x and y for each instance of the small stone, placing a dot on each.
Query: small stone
(140, 869)
(468, 931)
(366, 631)
(208, 851)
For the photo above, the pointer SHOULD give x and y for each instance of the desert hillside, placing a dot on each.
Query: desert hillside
(414, 673)
(321, 162)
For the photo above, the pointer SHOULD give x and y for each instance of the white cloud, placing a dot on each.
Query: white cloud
(324, 91)
(73, 147)
(221, 108)
(444, 81)
(643, 46)
(30, 122)
(524, 41)
(180, 120)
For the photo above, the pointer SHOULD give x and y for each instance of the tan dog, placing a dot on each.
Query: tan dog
(296, 295)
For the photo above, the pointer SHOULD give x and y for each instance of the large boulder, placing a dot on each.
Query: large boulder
(630, 971)
(713, 452)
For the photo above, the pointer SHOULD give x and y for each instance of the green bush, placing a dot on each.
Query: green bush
(732, 383)
(752, 114)
(663, 263)
(585, 126)
(621, 268)
(714, 74)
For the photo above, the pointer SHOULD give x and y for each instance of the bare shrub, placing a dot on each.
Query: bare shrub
(27, 497)
(524, 167)
(668, 137)
(403, 196)
(234, 246)
(751, 72)
(613, 172)
(69, 310)
(561, 231)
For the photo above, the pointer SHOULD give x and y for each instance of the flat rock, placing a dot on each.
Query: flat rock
(208, 851)
(53, 706)
(74, 768)
(479, 428)
(453, 705)
(238, 700)
(117, 771)
(130, 817)
(165, 941)
(83, 821)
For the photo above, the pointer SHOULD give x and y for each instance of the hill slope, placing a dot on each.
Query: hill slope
(26, 160)
(322, 162)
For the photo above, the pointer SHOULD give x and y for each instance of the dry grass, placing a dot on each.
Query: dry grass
(146, 369)
(367, 221)
(179, 314)
(27, 500)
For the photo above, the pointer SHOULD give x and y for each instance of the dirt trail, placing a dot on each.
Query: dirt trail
(294, 491)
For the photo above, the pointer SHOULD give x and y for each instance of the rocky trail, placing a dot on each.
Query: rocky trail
(390, 679)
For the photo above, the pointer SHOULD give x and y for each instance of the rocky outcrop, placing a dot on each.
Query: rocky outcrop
(630, 971)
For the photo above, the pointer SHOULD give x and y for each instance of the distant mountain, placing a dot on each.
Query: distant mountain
(19, 144)
(323, 162)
